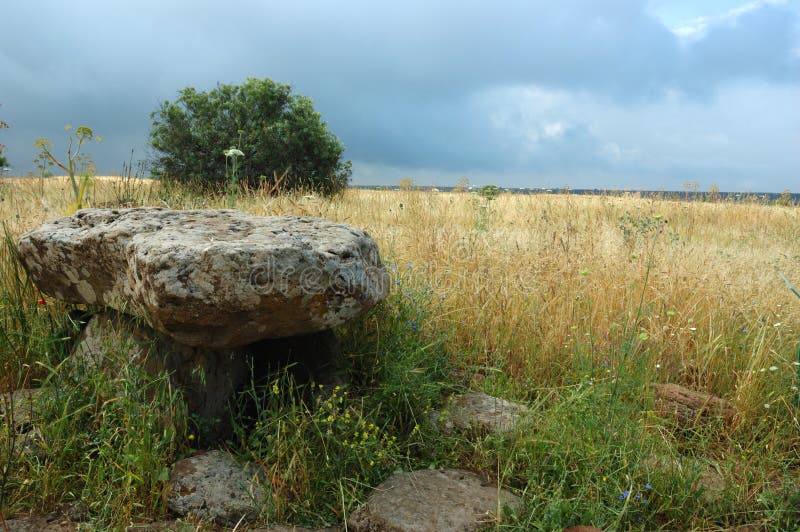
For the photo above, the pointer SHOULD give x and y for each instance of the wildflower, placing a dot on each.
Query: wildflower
(233, 152)
(191, 437)
(766, 406)
(648, 486)
(744, 330)
(410, 265)
(658, 366)
(40, 302)
(624, 495)
(773, 368)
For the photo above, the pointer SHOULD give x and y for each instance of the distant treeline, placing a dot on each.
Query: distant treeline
(685, 195)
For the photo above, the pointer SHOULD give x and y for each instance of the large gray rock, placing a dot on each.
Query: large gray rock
(442, 500)
(212, 278)
(212, 486)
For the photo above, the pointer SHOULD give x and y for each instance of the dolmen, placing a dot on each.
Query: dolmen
(202, 287)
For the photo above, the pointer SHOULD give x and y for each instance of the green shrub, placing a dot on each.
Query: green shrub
(286, 144)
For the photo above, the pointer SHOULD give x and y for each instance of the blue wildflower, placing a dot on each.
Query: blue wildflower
(648, 486)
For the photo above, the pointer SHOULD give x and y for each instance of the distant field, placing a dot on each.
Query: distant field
(540, 294)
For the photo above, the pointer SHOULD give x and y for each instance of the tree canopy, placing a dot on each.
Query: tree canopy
(283, 139)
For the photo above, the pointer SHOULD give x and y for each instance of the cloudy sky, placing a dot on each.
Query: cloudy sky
(614, 94)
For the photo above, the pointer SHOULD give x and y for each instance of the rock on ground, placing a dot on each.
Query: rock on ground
(481, 413)
(290, 528)
(19, 407)
(40, 523)
(708, 481)
(209, 379)
(212, 486)
(440, 500)
(210, 278)
(686, 406)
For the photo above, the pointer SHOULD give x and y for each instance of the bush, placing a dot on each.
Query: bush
(286, 144)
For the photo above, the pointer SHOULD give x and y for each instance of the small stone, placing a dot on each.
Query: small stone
(686, 406)
(212, 486)
(481, 413)
(40, 523)
(291, 528)
(441, 500)
(19, 406)
(707, 480)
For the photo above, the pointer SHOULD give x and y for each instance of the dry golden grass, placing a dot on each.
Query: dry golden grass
(532, 282)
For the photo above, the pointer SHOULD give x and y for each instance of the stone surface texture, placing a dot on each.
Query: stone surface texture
(686, 406)
(479, 412)
(705, 476)
(211, 278)
(40, 523)
(443, 500)
(212, 486)
(208, 378)
(19, 407)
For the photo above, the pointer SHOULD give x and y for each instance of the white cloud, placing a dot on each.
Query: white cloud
(554, 130)
(697, 28)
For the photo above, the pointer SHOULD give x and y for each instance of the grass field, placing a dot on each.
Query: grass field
(573, 305)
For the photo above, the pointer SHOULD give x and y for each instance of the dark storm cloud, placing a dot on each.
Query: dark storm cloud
(402, 84)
